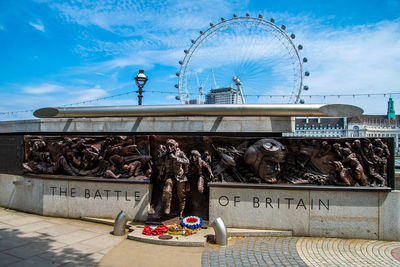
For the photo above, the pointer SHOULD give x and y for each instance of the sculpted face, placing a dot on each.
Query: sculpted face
(171, 145)
(194, 156)
(265, 158)
(269, 171)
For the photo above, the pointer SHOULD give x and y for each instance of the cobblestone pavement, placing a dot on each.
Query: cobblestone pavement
(33, 240)
(346, 252)
(293, 251)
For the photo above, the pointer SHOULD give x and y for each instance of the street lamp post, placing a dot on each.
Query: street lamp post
(140, 80)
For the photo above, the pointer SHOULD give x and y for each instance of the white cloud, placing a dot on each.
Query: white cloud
(90, 94)
(42, 89)
(363, 59)
(2, 28)
(352, 59)
(38, 25)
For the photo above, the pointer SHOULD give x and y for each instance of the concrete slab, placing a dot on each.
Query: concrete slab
(74, 237)
(35, 261)
(33, 248)
(350, 214)
(261, 208)
(103, 241)
(108, 199)
(6, 259)
(64, 256)
(58, 230)
(196, 240)
(21, 193)
(11, 242)
(22, 220)
(389, 215)
(153, 124)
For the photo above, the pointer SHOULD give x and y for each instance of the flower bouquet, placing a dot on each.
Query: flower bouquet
(155, 230)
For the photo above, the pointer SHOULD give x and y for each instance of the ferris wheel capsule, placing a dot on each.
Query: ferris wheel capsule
(247, 14)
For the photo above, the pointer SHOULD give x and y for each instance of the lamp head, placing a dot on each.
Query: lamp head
(141, 78)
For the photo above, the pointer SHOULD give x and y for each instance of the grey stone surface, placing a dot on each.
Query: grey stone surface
(261, 208)
(7, 259)
(350, 214)
(74, 199)
(341, 213)
(58, 204)
(152, 124)
(389, 215)
(92, 199)
(197, 240)
(58, 244)
(21, 193)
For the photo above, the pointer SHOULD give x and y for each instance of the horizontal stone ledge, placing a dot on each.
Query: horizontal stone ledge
(189, 134)
(300, 187)
(84, 179)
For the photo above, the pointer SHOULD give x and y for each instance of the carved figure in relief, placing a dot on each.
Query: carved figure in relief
(265, 158)
(171, 172)
(383, 153)
(199, 171)
(357, 170)
(372, 162)
(344, 173)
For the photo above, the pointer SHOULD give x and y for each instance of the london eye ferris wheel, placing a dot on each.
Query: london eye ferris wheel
(253, 56)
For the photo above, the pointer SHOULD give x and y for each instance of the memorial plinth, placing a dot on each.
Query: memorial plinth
(310, 186)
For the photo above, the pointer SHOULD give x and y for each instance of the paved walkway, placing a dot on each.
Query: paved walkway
(32, 240)
(293, 251)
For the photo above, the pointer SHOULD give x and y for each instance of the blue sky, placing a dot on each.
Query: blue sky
(55, 53)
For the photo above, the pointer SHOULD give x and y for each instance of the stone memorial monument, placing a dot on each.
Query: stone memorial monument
(233, 167)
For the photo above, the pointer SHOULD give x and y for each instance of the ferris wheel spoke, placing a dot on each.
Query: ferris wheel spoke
(257, 51)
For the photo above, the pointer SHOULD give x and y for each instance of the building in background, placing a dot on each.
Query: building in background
(224, 96)
(362, 126)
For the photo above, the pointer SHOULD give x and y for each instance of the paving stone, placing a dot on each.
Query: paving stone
(27, 228)
(6, 259)
(35, 261)
(21, 220)
(58, 229)
(32, 249)
(75, 237)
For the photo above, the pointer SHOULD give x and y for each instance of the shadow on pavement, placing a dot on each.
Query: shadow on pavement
(38, 249)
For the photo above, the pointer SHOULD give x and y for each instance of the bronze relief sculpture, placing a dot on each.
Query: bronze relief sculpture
(181, 182)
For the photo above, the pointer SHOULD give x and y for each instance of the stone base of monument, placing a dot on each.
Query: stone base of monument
(75, 197)
(358, 212)
(200, 238)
